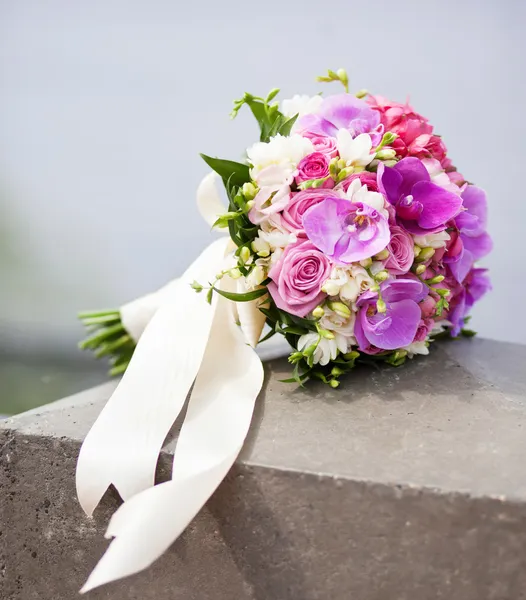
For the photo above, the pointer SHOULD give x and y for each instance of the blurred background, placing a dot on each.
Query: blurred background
(105, 105)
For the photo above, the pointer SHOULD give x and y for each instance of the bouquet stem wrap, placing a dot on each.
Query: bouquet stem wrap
(186, 342)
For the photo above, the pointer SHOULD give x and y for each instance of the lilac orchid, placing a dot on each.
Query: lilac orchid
(477, 283)
(475, 242)
(421, 206)
(342, 111)
(346, 231)
(397, 326)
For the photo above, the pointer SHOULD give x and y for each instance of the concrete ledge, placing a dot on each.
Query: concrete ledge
(407, 484)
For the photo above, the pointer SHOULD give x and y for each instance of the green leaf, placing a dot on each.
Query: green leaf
(468, 333)
(268, 336)
(287, 126)
(272, 94)
(247, 297)
(233, 172)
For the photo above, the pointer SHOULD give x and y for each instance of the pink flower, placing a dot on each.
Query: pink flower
(401, 253)
(428, 307)
(424, 328)
(365, 177)
(292, 216)
(415, 134)
(400, 119)
(324, 144)
(297, 278)
(313, 166)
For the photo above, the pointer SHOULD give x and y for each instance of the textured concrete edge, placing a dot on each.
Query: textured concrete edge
(164, 467)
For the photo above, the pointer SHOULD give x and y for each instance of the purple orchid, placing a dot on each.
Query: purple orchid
(346, 231)
(397, 326)
(475, 242)
(342, 111)
(477, 283)
(421, 206)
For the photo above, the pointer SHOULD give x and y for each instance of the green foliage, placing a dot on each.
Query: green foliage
(108, 338)
(236, 173)
(270, 120)
(247, 297)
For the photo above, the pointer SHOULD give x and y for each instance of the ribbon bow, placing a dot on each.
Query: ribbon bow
(184, 342)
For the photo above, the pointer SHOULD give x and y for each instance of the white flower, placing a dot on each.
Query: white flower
(416, 348)
(326, 350)
(356, 152)
(261, 247)
(356, 192)
(342, 326)
(285, 152)
(440, 326)
(301, 105)
(273, 234)
(257, 275)
(439, 176)
(432, 240)
(348, 283)
(273, 194)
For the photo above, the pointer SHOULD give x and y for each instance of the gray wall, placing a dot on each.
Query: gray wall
(105, 105)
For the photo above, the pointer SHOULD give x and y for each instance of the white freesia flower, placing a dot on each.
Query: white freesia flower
(356, 152)
(432, 240)
(348, 283)
(326, 350)
(260, 246)
(343, 326)
(301, 105)
(416, 348)
(257, 275)
(285, 152)
(274, 234)
(356, 192)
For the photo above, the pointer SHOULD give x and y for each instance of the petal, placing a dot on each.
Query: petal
(402, 289)
(324, 223)
(439, 205)
(412, 171)
(301, 309)
(343, 109)
(365, 243)
(316, 124)
(345, 145)
(389, 183)
(461, 267)
(479, 246)
(404, 319)
(476, 203)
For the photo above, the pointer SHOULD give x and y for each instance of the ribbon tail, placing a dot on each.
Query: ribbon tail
(216, 424)
(123, 445)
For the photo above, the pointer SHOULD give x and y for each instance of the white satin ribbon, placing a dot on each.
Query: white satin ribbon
(186, 340)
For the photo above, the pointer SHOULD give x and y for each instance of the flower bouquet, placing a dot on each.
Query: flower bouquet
(350, 232)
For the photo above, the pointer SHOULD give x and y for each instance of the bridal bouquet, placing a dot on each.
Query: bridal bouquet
(351, 225)
(349, 232)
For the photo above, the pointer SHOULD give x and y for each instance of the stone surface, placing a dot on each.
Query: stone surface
(406, 484)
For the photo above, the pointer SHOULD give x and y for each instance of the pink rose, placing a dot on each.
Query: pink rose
(428, 307)
(297, 278)
(292, 215)
(324, 144)
(401, 251)
(424, 329)
(365, 177)
(313, 166)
